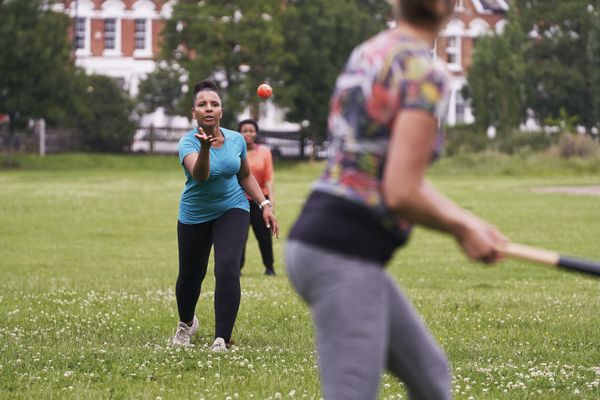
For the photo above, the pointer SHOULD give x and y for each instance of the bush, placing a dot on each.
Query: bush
(517, 142)
(103, 115)
(575, 145)
(464, 139)
(467, 139)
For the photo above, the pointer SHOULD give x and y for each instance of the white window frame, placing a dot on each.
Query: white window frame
(144, 9)
(113, 9)
(454, 51)
(86, 34)
(455, 29)
(140, 34)
(114, 34)
(85, 9)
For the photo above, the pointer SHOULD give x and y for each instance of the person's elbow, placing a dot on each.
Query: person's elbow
(397, 198)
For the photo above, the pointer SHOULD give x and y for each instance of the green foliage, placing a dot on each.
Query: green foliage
(35, 65)
(469, 139)
(464, 139)
(162, 88)
(575, 145)
(216, 39)
(593, 53)
(560, 68)
(497, 79)
(564, 122)
(103, 115)
(321, 34)
(35, 62)
(552, 68)
(517, 142)
(299, 47)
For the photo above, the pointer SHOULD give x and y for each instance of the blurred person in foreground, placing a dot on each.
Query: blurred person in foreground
(261, 166)
(213, 210)
(383, 130)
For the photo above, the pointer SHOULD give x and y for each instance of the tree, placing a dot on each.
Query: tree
(237, 43)
(35, 63)
(162, 88)
(560, 72)
(496, 80)
(593, 53)
(319, 36)
(103, 114)
(297, 46)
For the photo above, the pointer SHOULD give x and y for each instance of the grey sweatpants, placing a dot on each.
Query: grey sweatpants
(363, 325)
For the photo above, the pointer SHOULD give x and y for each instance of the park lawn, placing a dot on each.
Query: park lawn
(88, 262)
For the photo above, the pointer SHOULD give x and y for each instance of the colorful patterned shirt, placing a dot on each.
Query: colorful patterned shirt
(383, 76)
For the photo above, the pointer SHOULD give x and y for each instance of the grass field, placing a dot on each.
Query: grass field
(88, 263)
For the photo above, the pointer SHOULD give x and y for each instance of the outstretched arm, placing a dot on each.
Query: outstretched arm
(198, 164)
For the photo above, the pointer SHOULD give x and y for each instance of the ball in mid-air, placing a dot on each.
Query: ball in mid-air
(264, 91)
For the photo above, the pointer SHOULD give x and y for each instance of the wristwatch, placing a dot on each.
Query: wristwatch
(264, 203)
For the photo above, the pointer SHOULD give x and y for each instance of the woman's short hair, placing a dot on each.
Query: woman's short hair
(423, 13)
(248, 121)
(205, 84)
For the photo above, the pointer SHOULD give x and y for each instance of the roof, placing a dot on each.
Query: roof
(493, 6)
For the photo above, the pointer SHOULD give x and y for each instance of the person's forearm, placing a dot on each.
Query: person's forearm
(201, 170)
(271, 190)
(428, 207)
(251, 187)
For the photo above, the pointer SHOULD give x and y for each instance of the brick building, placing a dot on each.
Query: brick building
(118, 38)
(471, 19)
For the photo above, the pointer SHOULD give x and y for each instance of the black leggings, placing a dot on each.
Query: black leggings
(228, 234)
(263, 236)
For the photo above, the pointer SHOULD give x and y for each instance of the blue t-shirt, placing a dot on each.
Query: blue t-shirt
(206, 201)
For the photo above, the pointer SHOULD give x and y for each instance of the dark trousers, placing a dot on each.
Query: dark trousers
(228, 234)
(263, 236)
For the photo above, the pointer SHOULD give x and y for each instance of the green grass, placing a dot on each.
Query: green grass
(88, 263)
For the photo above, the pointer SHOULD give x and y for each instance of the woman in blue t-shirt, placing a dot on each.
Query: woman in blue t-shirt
(213, 211)
(383, 121)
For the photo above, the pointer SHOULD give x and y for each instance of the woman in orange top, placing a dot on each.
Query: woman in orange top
(261, 166)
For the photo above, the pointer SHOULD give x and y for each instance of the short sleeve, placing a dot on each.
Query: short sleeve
(425, 86)
(188, 144)
(243, 151)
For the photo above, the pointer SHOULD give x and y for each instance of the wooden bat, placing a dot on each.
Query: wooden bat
(552, 258)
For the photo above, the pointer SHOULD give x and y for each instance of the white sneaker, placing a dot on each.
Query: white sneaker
(184, 333)
(219, 345)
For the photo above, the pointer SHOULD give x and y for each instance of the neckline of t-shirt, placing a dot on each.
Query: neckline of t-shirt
(224, 140)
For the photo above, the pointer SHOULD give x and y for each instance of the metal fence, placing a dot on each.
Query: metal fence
(40, 140)
(283, 145)
(159, 140)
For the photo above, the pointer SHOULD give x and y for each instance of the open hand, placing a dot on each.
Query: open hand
(205, 140)
(271, 221)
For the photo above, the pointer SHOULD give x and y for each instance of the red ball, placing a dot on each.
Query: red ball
(264, 91)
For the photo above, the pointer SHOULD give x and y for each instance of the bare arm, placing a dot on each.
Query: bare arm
(250, 186)
(412, 197)
(270, 183)
(271, 189)
(198, 164)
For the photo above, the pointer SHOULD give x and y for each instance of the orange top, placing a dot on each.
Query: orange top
(261, 165)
